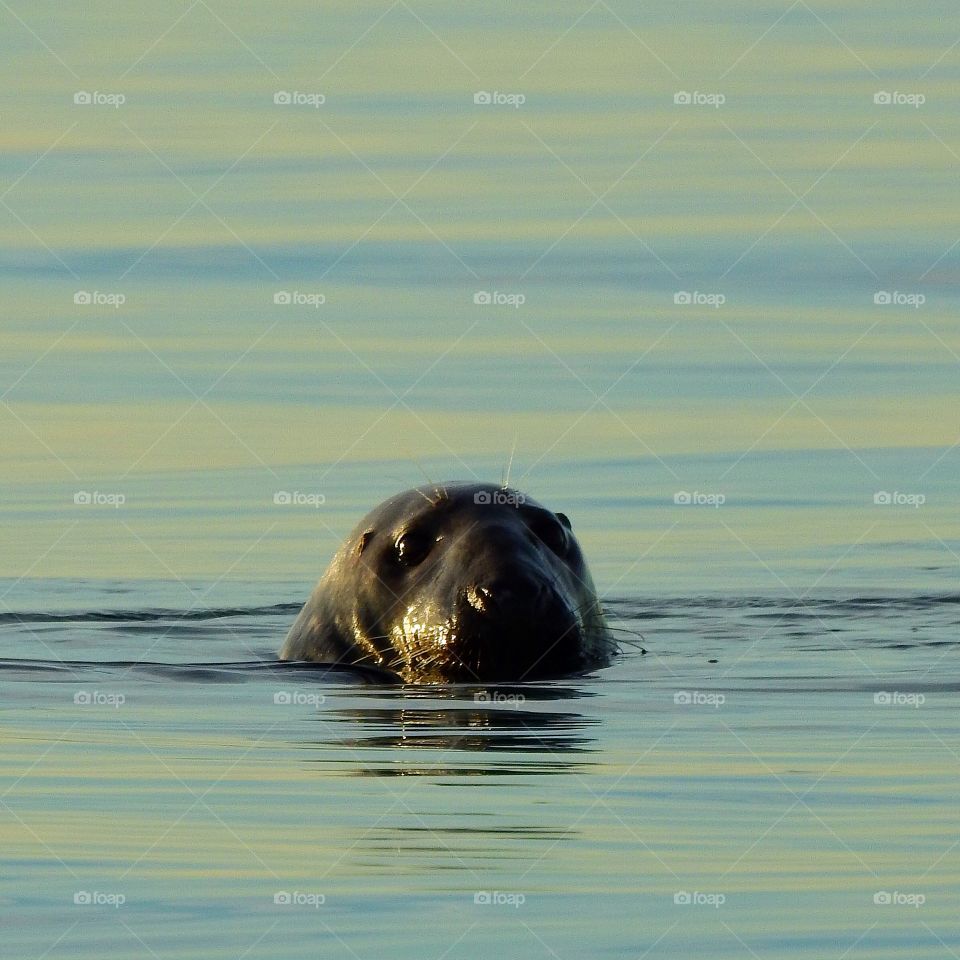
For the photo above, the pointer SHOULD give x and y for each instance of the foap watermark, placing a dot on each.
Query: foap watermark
(98, 898)
(897, 298)
(699, 698)
(897, 898)
(896, 698)
(499, 898)
(695, 298)
(697, 98)
(296, 498)
(297, 898)
(98, 298)
(697, 898)
(498, 696)
(297, 98)
(497, 298)
(296, 298)
(894, 98)
(99, 698)
(885, 498)
(684, 498)
(97, 498)
(508, 498)
(496, 98)
(95, 98)
(294, 698)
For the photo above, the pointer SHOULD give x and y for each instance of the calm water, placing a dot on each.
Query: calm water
(780, 764)
(719, 334)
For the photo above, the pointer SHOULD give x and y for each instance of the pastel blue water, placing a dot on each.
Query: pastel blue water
(775, 775)
(732, 785)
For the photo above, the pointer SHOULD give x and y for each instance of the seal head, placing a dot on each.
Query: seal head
(456, 582)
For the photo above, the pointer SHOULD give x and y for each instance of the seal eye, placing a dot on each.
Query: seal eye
(548, 530)
(412, 548)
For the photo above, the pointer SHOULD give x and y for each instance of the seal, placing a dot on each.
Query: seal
(456, 582)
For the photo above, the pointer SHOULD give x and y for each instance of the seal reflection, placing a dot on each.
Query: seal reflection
(400, 732)
(455, 737)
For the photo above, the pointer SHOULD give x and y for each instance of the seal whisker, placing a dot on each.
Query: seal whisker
(632, 643)
(429, 500)
(420, 467)
(505, 481)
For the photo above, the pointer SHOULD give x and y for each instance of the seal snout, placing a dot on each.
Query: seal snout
(509, 596)
(517, 625)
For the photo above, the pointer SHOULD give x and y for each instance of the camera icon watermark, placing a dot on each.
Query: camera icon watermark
(297, 98)
(99, 698)
(499, 898)
(498, 696)
(295, 698)
(699, 698)
(296, 498)
(896, 298)
(505, 498)
(496, 298)
(494, 98)
(696, 898)
(97, 298)
(684, 498)
(884, 498)
(296, 898)
(696, 98)
(695, 298)
(896, 698)
(887, 98)
(85, 98)
(896, 898)
(97, 898)
(296, 298)
(96, 498)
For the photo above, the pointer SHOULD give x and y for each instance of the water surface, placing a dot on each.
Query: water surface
(720, 335)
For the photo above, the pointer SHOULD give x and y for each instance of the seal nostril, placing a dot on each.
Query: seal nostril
(480, 598)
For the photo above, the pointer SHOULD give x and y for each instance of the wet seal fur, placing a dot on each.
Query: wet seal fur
(456, 582)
